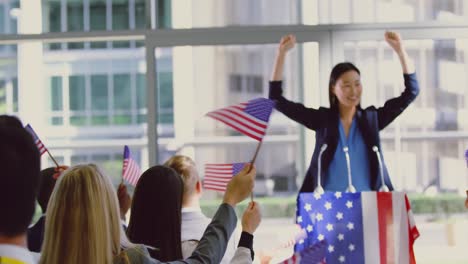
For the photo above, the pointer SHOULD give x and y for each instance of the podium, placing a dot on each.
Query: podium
(361, 227)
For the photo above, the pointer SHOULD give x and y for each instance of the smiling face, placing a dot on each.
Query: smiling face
(348, 89)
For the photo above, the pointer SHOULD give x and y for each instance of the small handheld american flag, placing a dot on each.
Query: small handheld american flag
(217, 176)
(249, 118)
(131, 171)
(314, 254)
(40, 146)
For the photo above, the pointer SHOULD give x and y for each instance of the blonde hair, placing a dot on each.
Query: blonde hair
(184, 166)
(82, 222)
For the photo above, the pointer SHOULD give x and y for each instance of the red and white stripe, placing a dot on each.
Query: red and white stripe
(389, 228)
(131, 171)
(40, 146)
(235, 117)
(294, 259)
(217, 176)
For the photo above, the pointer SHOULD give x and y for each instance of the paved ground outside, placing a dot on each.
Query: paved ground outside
(441, 242)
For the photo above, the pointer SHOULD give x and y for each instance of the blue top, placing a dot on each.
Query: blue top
(337, 173)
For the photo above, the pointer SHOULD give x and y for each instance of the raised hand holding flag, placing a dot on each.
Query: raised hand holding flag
(217, 176)
(131, 171)
(249, 118)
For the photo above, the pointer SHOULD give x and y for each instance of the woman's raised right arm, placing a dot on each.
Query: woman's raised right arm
(309, 117)
(286, 43)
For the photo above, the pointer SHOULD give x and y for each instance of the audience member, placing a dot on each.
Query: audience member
(83, 220)
(83, 226)
(194, 222)
(155, 219)
(20, 163)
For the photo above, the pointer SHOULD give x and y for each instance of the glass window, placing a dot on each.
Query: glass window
(75, 20)
(97, 15)
(219, 76)
(77, 93)
(3, 97)
(164, 15)
(52, 10)
(2, 18)
(166, 111)
(141, 97)
(13, 15)
(140, 14)
(120, 21)
(14, 82)
(99, 92)
(56, 93)
(122, 92)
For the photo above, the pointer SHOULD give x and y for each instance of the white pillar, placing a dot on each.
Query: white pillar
(31, 93)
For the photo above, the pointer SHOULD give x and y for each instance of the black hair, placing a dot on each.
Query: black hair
(156, 213)
(20, 165)
(335, 74)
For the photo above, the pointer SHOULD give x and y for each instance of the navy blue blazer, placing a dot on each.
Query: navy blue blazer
(36, 235)
(324, 121)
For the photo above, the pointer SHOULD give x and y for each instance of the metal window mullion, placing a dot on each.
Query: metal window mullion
(151, 103)
(132, 17)
(6, 18)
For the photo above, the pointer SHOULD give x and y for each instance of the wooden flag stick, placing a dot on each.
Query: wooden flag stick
(253, 162)
(50, 155)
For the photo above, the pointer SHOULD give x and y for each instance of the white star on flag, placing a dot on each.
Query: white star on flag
(340, 237)
(342, 259)
(309, 228)
(349, 204)
(301, 241)
(321, 237)
(319, 217)
(338, 195)
(299, 219)
(339, 215)
(328, 205)
(329, 227)
(351, 247)
(350, 226)
(331, 248)
(307, 207)
(317, 195)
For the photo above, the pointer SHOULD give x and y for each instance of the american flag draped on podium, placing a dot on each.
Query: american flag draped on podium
(249, 118)
(363, 227)
(131, 171)
(217, 176)
(40, 146)
(314, 254)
